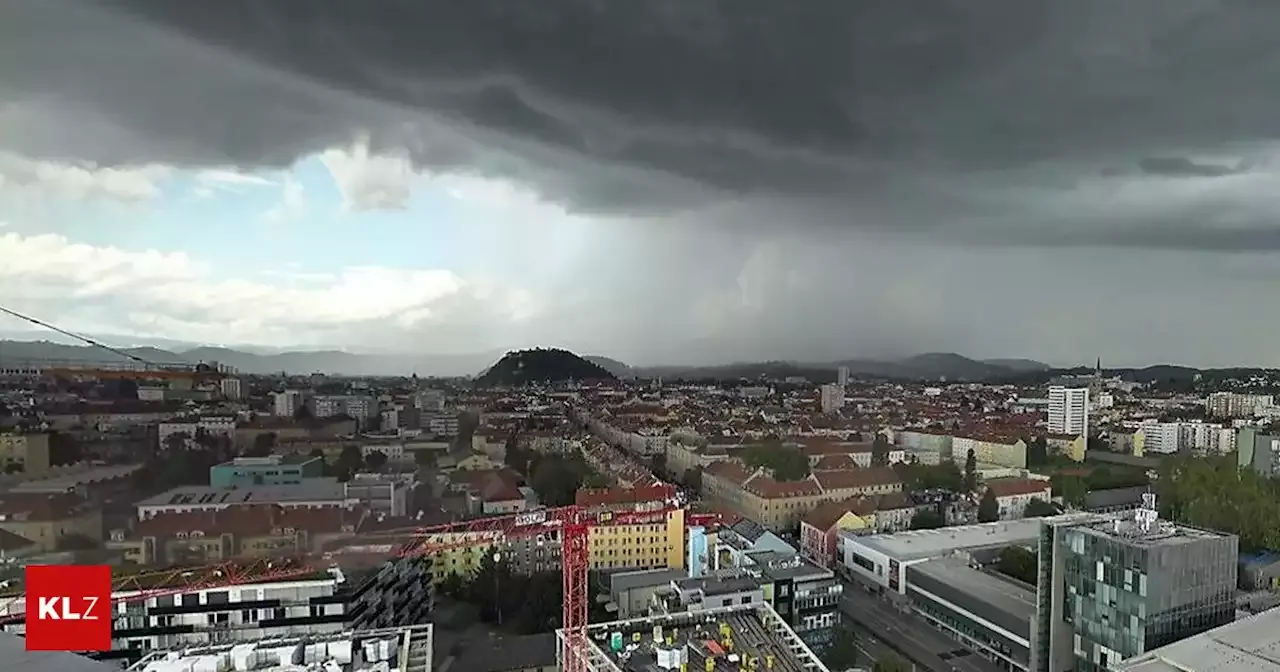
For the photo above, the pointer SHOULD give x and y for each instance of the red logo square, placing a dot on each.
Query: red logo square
(68, 607)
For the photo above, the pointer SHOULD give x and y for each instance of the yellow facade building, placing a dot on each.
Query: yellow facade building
(643, 546)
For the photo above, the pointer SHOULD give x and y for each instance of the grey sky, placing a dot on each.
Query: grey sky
(827, 178)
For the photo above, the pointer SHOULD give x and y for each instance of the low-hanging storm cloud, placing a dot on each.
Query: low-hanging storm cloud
(1046, 127)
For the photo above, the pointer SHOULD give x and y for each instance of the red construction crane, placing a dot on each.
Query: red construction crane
(572, 523)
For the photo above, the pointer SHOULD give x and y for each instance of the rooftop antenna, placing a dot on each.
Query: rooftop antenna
(1148, 516)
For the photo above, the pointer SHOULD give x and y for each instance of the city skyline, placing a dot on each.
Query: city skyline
(661, 184)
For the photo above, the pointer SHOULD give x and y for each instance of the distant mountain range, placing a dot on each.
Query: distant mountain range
(930, 366)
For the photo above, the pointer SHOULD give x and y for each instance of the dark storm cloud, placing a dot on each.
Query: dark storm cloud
(858, 112)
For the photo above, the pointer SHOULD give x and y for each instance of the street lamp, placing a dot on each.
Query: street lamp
(497, 593)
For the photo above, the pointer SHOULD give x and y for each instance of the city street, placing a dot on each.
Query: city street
(913, 639)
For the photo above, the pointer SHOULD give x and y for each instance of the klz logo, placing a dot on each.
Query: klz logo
(59, 609)
(68, 608)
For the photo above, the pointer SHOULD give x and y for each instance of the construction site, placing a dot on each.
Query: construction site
(405, 649)
(742, 638)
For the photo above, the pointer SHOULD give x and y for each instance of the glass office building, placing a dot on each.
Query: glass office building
(1112, 587)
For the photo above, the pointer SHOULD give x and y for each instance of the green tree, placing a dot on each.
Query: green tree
(454, 586)
(787, 463)
(927, 519)
(841, 653)
(891, 663)
(176, 442)
(970, 472)
(350, 460)
(988, 507)
(64, 449)
(1072, 489)
(1037, 451)
(375, 460)
(1211, 492)
(263, 444)
(693, 479)
(425, 459)
(658, 465)
(880, 451)
(517, 457)
(1019, 563)
(486, 588)
(1037, 508)
(557, 479)
(302, 412)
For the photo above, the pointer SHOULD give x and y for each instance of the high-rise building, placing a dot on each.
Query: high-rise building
(1236, 405)
(285, 404)
(831, 397)
(1069, 410)
(1114, 586)
(842, 376)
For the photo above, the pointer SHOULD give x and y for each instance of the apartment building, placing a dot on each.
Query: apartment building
(360, 407)
(647, 545)
(682, 456)
(286, 404)
(1013, 495)
(1069, 410)
(779, 505)
(831, 398)
(1201, 438)
(1237, 405)
(819, 530)
(989, 449)
(386, 494)
(190, 428)
(1258, 450)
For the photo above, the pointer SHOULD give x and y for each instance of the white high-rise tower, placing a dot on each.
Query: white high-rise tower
(1069, 410)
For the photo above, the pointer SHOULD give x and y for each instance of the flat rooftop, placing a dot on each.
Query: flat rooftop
(269, 461)
(1008, 597)
(1123, 527)
(407, 649)
(756, 630)
(645, 578)
(317, 489)
(919, 544)
(1249, 645)
(778, 565)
